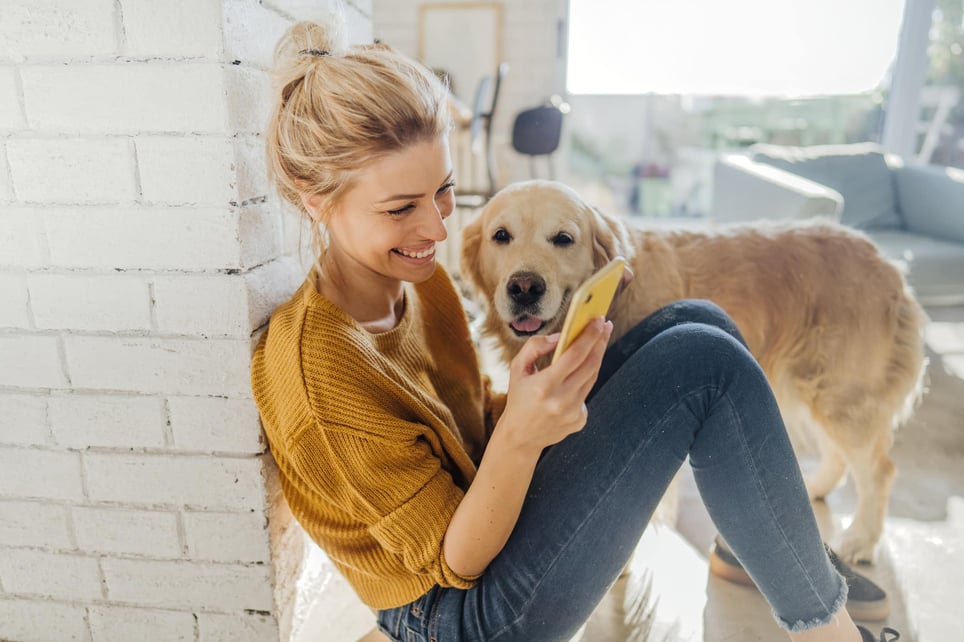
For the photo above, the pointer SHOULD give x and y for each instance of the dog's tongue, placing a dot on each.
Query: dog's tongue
(527, 324)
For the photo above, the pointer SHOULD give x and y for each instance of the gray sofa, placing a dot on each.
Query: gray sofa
(913, 212)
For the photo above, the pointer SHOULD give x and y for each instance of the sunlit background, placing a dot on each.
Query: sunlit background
(740, 47)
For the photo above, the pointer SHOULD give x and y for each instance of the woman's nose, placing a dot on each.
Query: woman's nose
(434, 224)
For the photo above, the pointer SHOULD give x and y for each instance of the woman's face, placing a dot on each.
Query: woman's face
(387, 225)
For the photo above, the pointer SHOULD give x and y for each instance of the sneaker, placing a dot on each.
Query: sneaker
(865, 600)
(867, 636)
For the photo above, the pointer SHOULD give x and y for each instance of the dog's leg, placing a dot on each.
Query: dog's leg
(874, 473)
(830, 470)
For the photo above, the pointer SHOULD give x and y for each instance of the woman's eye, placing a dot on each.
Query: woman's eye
(446, 188)
(562, 239)
(501, 236)
(401, 210)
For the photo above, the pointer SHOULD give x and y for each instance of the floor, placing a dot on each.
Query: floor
(668, 596)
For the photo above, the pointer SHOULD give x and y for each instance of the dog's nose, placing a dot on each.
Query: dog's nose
(526, 287)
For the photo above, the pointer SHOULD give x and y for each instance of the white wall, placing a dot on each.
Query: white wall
(140, 251)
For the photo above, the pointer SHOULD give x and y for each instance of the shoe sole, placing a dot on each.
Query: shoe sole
(865, 611)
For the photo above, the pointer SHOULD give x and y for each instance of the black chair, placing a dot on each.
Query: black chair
(537, 132)
(480, 133)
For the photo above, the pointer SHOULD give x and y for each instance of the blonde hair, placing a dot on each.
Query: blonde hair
(338, 107)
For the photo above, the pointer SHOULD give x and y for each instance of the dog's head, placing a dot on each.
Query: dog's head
(529, 249)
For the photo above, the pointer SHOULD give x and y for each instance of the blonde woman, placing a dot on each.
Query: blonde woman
(456, 513)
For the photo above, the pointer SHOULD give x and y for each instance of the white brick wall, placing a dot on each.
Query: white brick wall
(140, 253)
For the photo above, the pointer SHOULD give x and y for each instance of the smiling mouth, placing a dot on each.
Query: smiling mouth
(412, 254)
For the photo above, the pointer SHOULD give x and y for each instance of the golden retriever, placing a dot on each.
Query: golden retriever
(830, 320)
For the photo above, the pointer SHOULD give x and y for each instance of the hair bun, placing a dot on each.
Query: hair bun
(310, 38)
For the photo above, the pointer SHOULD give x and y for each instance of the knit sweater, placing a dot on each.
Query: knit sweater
(376, 436)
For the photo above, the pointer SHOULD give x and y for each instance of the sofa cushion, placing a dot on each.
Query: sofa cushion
(859, 172)
(932, 200)
(934, 267)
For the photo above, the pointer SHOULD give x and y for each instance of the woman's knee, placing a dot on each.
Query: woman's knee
(702, 311)
(698, 348)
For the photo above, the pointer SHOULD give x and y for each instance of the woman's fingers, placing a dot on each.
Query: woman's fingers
(535, 347)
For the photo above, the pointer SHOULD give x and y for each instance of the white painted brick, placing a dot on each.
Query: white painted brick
(57, 28)
(33, 524)
(72, 170)
(114, 421)
(28, 472)
(262, 234)
(173, 366)
(66, 577)
(125, 98)
(215, 424)
(271, 285)
(248, 100)
(42, 621)
(120, 624)
(252, 170)
(11, 109)
(173, 28)
(199, 482)
(22, 237)
(175, 584)
(6, 186)
(23, 419)
(30, 362)
(13, 294)
(250, 32)
(227, 537)
(187, 169)
(236, 627)
(126, 532)
(144, 238)
(208, 306)
(90, 302)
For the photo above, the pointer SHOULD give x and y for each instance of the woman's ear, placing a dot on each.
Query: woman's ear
(315, 205)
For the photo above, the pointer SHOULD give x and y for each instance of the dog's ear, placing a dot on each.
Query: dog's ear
(609, 238)
(469, 257)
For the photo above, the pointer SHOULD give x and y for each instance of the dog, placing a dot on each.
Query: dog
(831, 321)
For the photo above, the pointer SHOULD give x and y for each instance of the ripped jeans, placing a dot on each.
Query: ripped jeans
(680, 384)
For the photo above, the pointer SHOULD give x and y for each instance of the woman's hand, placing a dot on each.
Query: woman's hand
(545, 406)
(542, 408)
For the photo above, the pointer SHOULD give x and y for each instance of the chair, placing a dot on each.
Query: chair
(537, 132)
(480, 133)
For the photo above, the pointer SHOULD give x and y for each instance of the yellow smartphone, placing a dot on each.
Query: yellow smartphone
(592, 299)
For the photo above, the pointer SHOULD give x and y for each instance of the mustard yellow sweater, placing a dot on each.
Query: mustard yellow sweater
(376, 436)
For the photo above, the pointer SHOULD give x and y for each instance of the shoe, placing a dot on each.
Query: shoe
(865, 600)
(867, 636)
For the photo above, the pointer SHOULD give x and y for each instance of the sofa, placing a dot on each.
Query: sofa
(912, 211)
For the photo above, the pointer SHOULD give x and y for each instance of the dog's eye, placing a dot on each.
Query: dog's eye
(501, 236)
(562, 239)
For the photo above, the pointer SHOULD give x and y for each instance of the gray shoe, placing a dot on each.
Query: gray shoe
(867, 636)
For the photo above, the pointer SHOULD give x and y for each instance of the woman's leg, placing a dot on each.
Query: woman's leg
(687, 389)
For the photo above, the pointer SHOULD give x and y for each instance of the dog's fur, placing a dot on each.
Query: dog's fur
(830, 320)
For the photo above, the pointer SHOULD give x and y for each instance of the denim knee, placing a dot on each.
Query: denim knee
(694, 311)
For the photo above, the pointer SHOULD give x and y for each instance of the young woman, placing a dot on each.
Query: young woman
(456, 513)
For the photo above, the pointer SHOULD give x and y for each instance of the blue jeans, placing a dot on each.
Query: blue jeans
(680, 384)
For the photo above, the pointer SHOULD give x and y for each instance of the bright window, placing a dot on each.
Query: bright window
(731, 47)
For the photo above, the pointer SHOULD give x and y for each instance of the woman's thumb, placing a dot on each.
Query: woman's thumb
(535, 347)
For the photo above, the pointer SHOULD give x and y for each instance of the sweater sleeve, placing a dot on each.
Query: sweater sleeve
(398, 489)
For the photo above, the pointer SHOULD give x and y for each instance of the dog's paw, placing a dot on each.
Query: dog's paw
(855, 547)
